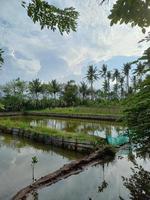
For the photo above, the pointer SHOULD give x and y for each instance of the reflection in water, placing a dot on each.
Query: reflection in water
(100, 182)
(138, 183)
(98, 128)
(15, 163)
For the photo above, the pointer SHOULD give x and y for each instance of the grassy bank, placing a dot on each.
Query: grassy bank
(108, 110)
(49, 131)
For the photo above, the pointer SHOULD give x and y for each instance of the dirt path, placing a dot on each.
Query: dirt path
(66, 171)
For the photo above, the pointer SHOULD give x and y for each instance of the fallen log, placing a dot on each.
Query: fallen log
(66, 171)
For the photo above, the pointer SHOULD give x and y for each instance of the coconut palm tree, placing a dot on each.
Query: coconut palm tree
(55, 88)
(139, 71)
(35, 88)
(103, 71)
(121, 81)
(116, 78)
(83, 89)
(108, 75)
(126, 71)
(92, 76)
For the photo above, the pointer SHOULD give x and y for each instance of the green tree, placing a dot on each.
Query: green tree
(83, 89)
(139, 71)
(116, 78)
(70, 93)
(92, 76)
(126, 71)
(35, 88)
(52, 17)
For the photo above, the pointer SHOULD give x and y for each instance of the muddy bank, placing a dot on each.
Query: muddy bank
(11, 114)
(77, 116)
(67, 170)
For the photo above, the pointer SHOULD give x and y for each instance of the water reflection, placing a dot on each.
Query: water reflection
(102, 181)
(98, 128)
(15, 163)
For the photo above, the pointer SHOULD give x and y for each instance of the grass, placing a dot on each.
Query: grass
(49, 131)
(109, 110)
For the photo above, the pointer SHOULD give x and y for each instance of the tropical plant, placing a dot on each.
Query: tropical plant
(126, 71)
(92, 76)
(33, 163)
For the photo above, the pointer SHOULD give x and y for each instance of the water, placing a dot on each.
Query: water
(110, 130)
(87, 185)
(15, 163)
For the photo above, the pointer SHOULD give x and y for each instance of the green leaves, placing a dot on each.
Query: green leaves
(34, 160)
(52, 17)
(135, 12)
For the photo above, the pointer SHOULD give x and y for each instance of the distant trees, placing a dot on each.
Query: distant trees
(116, 85)
(92, 76)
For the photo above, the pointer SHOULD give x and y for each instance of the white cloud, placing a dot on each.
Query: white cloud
(94, 40)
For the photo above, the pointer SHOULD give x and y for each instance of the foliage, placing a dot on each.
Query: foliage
(50, 131)
(52, 17)
(138, 117)
(134, 12)
(138, 184)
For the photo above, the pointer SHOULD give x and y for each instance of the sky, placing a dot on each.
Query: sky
(31, 53)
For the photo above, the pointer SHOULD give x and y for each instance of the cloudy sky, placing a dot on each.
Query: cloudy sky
(31, 53)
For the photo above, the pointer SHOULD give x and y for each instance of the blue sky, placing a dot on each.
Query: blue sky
(32, 53)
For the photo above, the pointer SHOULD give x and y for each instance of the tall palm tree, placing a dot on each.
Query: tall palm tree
(139, 71)
(121, 81)
(108, 75)
(92, 76)
(83, 89)
(55, 88)
(126, 71)
(35, 89)
(103, 71)
(116, 78)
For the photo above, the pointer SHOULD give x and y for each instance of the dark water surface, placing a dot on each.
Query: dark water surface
(88, 184)
(92, 127)
(15, 163)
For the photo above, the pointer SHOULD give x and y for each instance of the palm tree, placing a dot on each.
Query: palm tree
(108, 75)
(126, 71)
(139, 71)
(83, 89)
(55, 88)
(116, 78)
(121, 81)
(92, 76)
(103, 71)
(35, 88)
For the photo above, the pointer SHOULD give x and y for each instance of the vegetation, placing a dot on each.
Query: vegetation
(109, 110)
(49, 131)
(18, 95)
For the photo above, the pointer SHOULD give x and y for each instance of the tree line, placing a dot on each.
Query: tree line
(115, 86)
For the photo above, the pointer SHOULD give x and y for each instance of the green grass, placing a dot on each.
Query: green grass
(49, 131)
(109, 110)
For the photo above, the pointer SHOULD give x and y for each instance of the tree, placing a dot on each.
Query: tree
(35, 88)
(116, 78)
(70, 93)
(138, 117)
(14, 94)
(52, 17)
(121, 81)
(55, 87)
(126, 71)
(126, 11)
(139, 71)
(103, 71)
(83, 89)
(33, 162)
(92, 76)
(108, 75)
